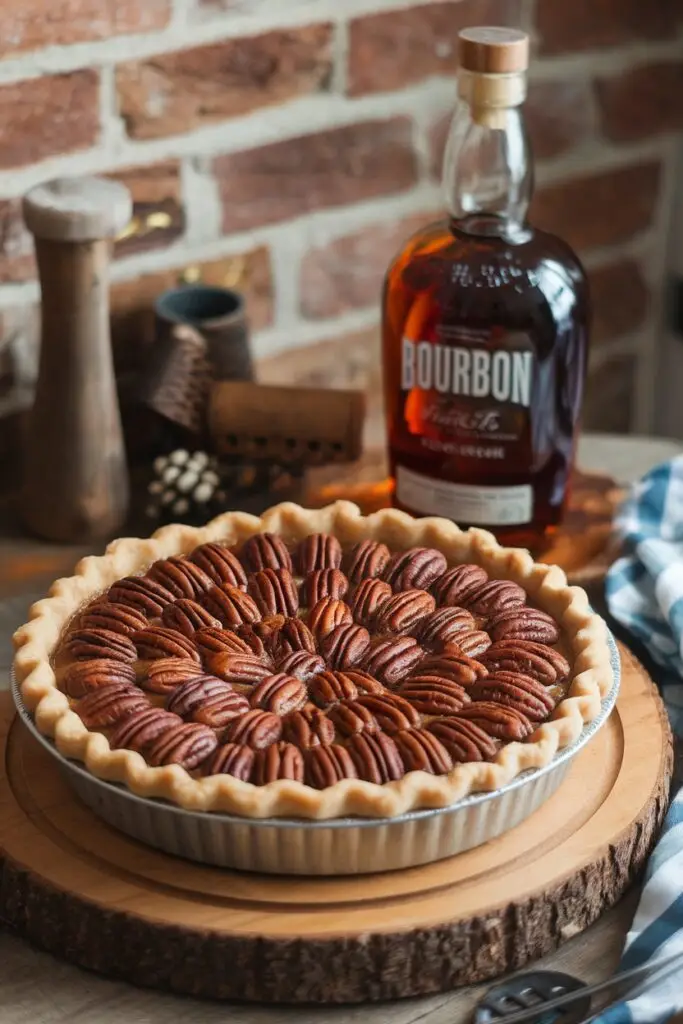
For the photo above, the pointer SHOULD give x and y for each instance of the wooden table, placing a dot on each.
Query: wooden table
(36, 989)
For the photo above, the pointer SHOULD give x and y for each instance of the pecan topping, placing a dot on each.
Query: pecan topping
(100, 643)
(318, 551)
(141, 592)
(532, 659)
(214, 640)
(231, 759)
(160, 642)
(376, 757)
(350, 718)
(180, 576)
(239, 669)
(368, 600)
(459, 585)
(454, 665)
(231, 605)
(207, 700)
(294, 635)
(166, 674)
(516, 691)
(279, 693)
(345, 645)
(463, 740)
(109, 704)
(422, 752)
(326, 615)
(416, 568)
(257, 729)
(186, 745)
(219, 564)
(116, 618)
(366, 560)
(301, 664)
(279, 761)
(265, 551)
(391, 712)
(442, 627)
(323, 583)
(404, 611)
(434, 695)
(497, 720)
(187, 616)
(524, 624)
(327, 765)
(251, 633)
(329, 688)
(390, 660)
(307, 728)
(495, 596)
(274, 591)
(138, 730)
(472, 642)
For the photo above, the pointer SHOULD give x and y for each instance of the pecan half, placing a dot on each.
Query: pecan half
(350, 718)
(85, 644)
(279, 761)
(239, 669)
(328, 688)
(392, 659)
(459, 585)
(161, 642)
(214, 640)
(344, 646)
(187, 745)
(141, 592)
(251, 633)
(220, 564)
(318, 551)
(497, 720)
(524, 624)
(454, 665)
(327, 765)
(365, 560)
(307, 728)
(166, 674)
(376, 757)
(110, 704)
(279, 693)
(516, 691)
(323, 583)
(207, 700)
(495, 596)
(442, 627)
(116, 618)
(422, 751)
(434, 695)
(83, 677)
(265, 551)
(231, 606)
(294, 635)
(138, 730)
(404, 611)
(180, 576)
(472, 642)
(326, 615)
(274, 591)
(187, 616)
(231, 759)
(416, 568)
(368, 600)
(391, 711)
(301, 664)
(257, 729)
(463, 740)
(532, 659)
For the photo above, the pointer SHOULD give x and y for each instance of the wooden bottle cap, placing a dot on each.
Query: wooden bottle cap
(77, 209)
(494, 51)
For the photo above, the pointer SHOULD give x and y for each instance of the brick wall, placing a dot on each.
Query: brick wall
(294, 143)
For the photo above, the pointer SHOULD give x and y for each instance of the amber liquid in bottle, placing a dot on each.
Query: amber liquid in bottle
(484, 347)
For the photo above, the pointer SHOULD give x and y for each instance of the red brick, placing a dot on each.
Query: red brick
(17, 261)
(174, 92)
(609, 403)
(559, 115)
(332, 168)
(44, 116)
(29, 24)
(347, 273)
(392, 49)
(591, 24)
(620, 299)
(642, 102)
(156, 192)
(599, 209)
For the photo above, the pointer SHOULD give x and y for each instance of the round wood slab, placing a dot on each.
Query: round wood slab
(86, 893)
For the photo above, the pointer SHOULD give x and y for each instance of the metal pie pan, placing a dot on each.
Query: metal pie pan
(342, 846)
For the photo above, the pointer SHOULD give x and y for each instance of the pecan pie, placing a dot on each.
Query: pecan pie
(313, 663)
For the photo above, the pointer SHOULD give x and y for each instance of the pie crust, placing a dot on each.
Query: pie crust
(584, 635)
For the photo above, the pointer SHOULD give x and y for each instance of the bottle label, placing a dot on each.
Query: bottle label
(467, 503)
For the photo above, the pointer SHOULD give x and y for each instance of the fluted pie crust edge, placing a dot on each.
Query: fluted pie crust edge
(584, 633)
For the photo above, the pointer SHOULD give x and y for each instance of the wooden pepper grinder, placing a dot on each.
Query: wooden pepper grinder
(75, 477)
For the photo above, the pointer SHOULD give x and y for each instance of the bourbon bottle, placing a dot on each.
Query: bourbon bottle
(485, 325)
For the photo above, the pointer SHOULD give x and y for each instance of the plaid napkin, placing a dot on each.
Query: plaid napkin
(645, 594)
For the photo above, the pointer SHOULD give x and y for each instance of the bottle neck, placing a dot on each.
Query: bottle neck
(488, 173)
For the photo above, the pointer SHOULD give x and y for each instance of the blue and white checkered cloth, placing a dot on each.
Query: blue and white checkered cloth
(645, 594)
